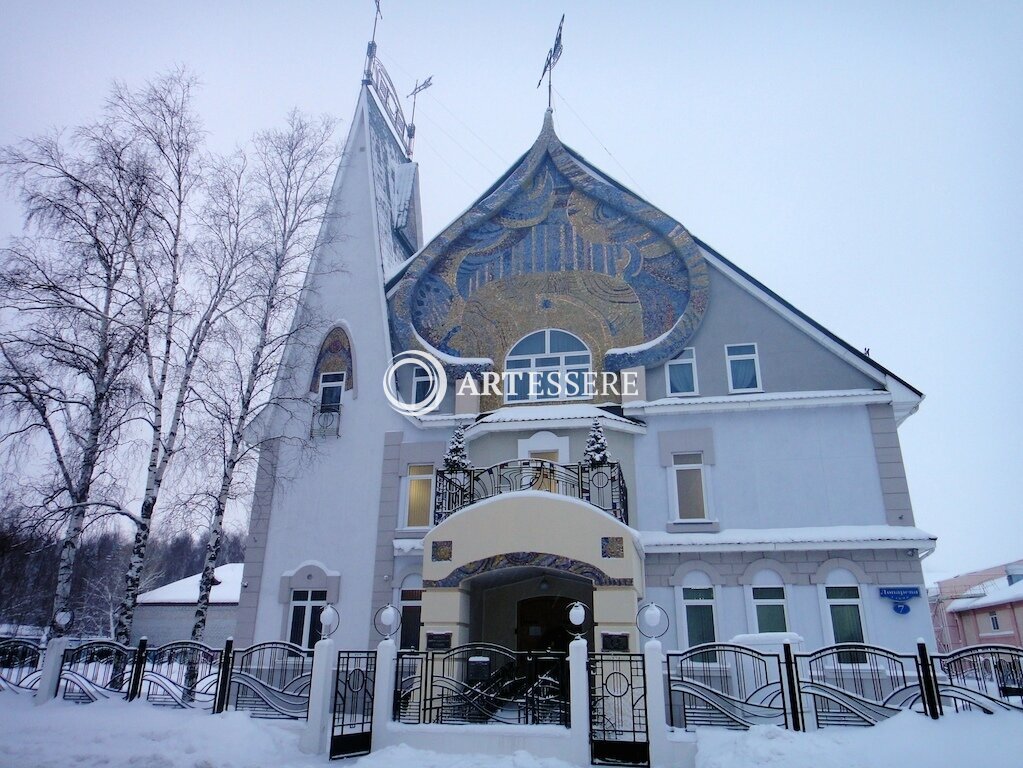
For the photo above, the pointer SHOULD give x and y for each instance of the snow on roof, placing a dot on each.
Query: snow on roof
(1007, 594)
(847, 536)
(558, 412)
(186, 590)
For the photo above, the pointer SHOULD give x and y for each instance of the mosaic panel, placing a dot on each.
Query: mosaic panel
(441, 551)
(335, 356)
(554, 245)
(612, 547)
(522, 559)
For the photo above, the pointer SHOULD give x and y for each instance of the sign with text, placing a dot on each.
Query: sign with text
(899, 594)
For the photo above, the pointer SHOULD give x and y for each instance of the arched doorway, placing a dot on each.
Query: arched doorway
(526, 609)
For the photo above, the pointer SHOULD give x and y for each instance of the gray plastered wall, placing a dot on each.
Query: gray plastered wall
(790, 360)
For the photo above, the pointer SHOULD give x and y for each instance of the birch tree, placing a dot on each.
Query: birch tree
(71, 325)
(183, 292)
(268, 216)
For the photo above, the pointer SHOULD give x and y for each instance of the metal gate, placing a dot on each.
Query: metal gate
(353, 704)
(618, 716)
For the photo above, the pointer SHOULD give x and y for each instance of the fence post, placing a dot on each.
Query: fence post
(383, 690)
(137, 670)
(657, 731)
(792, 684)
(321, 693)
(53, 660)
(224, 677)
(928, 685)
(579, 701)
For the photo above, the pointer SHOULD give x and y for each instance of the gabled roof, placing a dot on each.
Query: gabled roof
(430, 262)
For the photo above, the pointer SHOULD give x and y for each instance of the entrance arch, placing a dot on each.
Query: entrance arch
(480, 563)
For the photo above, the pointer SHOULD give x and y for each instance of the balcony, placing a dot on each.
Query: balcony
(602, 485)
(326, 420)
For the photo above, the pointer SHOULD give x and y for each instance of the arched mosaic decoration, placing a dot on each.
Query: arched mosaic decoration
(554, 245)
(335, 356)
(528, 559)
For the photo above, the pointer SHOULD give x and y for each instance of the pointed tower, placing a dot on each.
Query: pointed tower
(313, 523)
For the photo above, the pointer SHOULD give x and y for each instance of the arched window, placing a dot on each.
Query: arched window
(547, 365)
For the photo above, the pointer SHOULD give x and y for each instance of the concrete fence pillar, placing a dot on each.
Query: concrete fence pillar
(50, 678)
(579, 701)
(383, 689)
(320, 724)
(657, 730)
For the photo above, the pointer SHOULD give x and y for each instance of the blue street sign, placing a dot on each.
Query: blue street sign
(899, 594)
(901, 608)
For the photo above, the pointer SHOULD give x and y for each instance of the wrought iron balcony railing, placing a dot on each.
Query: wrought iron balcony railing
(326, 420)
(602, 485)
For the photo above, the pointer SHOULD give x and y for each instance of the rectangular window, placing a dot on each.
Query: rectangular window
(699, 614)
(690, 501)
(993, 616)
(420, 384)
(306, 607)
(420, 495)
(743, 368)
(770, 609)
(332, 385)
(682, 374)
(846, 623)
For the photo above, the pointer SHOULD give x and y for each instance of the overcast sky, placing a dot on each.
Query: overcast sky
(864, 160)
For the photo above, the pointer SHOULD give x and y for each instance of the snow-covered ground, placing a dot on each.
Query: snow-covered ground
(120, 735)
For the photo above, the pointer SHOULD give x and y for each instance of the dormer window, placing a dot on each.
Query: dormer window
(547, 365)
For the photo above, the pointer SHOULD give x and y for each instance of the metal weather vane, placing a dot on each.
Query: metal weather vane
(552, 58)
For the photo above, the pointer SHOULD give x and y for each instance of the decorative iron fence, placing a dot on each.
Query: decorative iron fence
(481, 683)
(100, 669)
(857, 684)
(182, 674)
(618, 712)
(326, 421)
(20, 665)
(272, 680)
(725, 685)
(988, 678)
(600, 484)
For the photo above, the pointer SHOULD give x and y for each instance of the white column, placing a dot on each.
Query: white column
(383, 689)
(318, 728)
(50, 678)
(579, 703)
(657, 731)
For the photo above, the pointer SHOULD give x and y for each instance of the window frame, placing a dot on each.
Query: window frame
(828, 602)
(680, 361)
(420, 376)
(324, 386)
(406, 495)
(993, 619)
(673, 470)
(308, 603)
(771, 601)
(754, 356)
(682, 605)
(563, 368)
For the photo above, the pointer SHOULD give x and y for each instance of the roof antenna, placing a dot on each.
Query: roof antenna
(371, 49)
(411, 128)
(552, 58)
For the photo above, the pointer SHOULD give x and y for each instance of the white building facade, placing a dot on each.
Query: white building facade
(756, 481)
